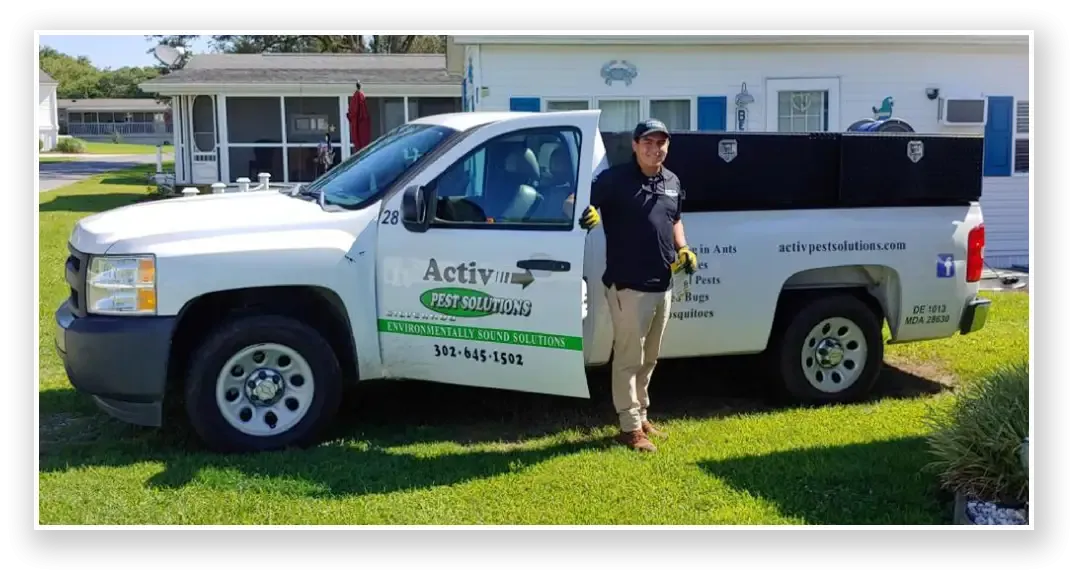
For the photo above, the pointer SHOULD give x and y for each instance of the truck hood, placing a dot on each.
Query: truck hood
(194, 217)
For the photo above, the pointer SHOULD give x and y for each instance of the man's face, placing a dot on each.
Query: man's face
(651, 150)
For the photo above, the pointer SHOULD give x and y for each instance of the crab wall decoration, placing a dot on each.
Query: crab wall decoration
(618, 70)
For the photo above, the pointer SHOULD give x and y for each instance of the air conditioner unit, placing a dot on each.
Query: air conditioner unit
(962, 111)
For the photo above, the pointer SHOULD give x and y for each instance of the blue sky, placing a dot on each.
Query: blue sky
(110, 51)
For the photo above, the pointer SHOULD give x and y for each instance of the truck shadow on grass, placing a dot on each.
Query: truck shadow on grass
(852, 484)
(436, 412)
(363, 455)
(90, 203)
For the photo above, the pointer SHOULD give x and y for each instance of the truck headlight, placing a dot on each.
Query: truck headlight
(122, 285)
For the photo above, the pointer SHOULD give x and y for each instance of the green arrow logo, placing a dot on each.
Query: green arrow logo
(523, 279)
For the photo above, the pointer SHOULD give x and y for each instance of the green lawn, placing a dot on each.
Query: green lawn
(105, 148)
(94, 148)
(428, 454)
(47, 160)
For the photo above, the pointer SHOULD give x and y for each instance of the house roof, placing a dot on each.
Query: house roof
(44, 78)
(123, 105)
(309, 68)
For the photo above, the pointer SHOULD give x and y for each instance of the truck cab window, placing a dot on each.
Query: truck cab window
(522, 177)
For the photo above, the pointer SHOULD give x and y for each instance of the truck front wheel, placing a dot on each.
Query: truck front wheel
(262, 383)
(831, 350)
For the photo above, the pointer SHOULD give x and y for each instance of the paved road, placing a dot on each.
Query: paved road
(53, 175)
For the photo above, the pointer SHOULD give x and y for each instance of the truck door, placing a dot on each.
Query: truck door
(483, 285)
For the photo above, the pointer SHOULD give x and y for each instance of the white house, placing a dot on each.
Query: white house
(47, 121)
(237, 115)
(938, 84)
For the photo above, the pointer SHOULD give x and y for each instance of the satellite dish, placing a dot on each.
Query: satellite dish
(168, 55)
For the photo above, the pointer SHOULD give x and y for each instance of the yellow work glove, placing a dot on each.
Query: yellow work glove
(589, 218)
(686, 261)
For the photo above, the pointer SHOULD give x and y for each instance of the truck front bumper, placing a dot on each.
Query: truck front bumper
(121, 362)
(974, 316)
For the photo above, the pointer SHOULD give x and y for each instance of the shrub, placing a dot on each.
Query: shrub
(976, 442)
(116, 138)
(70, 146)
(40, 145)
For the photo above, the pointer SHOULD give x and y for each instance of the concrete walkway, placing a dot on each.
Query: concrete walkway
(54, 175)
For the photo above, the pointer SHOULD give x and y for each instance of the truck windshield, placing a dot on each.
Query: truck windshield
(368, 173)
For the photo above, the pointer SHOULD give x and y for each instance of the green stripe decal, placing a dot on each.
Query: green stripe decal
(471, 333)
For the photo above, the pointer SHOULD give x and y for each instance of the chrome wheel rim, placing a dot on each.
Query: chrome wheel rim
(265, 389)
(834, 354)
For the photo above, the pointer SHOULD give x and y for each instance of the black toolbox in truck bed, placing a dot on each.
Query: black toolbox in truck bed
(723, 171)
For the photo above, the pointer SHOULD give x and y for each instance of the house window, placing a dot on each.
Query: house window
(803, 111)
(310, 123)
(567, 105)
(1022, 137)
(675, 113)
(800, 105)
(619, 115)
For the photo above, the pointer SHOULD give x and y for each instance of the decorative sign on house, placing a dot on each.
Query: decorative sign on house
(741, 103)
(618, 71)
(885, 110)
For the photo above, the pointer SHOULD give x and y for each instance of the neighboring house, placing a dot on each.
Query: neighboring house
(241, 114)
(944, 84)
(134, 120)
(47, 119)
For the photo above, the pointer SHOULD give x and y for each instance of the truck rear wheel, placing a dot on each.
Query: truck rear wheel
(831, 350)
(262, 383)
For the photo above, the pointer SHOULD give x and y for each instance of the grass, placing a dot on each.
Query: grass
(410, 453)
(47, 160)
(108, 148)
(98, 148)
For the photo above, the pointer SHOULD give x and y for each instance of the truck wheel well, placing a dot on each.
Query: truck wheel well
(791, 299)
(319, 307)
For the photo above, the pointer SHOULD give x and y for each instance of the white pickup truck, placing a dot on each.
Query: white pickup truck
(447, 251)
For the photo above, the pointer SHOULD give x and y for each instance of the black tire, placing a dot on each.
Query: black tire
(232, 337)
(802, 317)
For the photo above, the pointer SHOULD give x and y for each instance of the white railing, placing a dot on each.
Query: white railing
(109, 129)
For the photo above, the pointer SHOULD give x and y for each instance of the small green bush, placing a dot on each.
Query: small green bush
(976, 442)
(40, 145)
(70, 146)
(116, 138)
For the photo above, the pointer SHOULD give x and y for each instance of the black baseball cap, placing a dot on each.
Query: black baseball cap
(648, 127)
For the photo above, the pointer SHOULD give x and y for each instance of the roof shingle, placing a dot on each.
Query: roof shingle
(303, 68)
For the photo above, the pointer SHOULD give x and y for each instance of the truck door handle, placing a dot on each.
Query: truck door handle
(543, 264)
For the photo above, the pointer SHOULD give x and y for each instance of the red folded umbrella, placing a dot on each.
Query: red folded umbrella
(359, 120)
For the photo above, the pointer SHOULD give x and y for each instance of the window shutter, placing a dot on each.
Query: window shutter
(712, 113)
(525, 104)
(998, 138)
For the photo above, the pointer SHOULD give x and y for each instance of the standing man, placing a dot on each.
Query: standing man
(641, 203)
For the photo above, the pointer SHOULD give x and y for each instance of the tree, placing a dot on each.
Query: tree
(78, 78)
(256, 44)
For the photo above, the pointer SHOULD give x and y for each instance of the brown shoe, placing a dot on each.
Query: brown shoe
(636, 440)
(650, 430)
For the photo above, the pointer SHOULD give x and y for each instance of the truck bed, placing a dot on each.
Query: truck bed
(724, 171)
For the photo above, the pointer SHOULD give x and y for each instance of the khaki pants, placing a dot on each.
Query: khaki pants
(639, 320)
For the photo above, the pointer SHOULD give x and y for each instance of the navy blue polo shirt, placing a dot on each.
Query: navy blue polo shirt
(638, 213)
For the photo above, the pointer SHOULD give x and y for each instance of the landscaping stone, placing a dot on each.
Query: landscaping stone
(973, 512)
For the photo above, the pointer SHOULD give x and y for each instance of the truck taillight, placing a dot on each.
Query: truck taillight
(975, 253)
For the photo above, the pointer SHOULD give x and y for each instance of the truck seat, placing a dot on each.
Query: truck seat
(513, 195)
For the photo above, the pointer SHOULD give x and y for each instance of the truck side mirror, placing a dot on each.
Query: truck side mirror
(414, 209)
